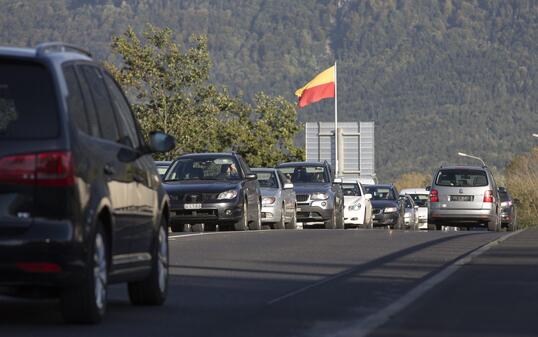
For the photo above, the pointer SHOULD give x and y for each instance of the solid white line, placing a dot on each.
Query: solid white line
(173, 237)
(371, 322)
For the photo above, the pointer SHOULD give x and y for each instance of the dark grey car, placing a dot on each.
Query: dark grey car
(464, 196)
(319, 195)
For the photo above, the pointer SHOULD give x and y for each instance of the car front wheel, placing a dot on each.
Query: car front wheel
(153, 290)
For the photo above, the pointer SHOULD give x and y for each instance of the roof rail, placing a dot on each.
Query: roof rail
(42, 48)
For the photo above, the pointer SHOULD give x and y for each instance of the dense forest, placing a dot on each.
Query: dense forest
(437, 76)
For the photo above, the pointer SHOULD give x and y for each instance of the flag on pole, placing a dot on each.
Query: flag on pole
(320, 87)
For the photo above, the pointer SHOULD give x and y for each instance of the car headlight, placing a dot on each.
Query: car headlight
(319, 196)
(266, 201)
(391, 209)
(227, 195)
(355, 207)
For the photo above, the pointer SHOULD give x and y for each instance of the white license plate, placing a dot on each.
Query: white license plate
(298, 209)
(192, 206)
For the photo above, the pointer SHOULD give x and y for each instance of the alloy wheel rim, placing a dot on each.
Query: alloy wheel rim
(162, 262)
(100, 271)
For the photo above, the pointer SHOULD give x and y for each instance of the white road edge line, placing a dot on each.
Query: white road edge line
(174, 237)
(375, 320)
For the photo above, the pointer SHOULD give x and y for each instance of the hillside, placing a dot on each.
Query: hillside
(437, 76)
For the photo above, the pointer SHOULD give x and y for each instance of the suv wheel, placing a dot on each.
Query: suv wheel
(257, 223)
(331, 223)
(293, 223)
(86, 302)
(242, 224)
(153, 290)
(340, 220)
(180, 227)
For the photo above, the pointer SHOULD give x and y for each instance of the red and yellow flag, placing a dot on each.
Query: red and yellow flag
(320, 87)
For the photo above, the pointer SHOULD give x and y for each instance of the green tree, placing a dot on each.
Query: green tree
(171, 92)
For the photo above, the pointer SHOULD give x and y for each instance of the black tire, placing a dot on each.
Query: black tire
(153, 290)
(86, 302)
(331, 223)
(282, 223)
(242, 224)
(257, 223)
(340, 220)
(293, 223)
(438, 227)
(180, 227)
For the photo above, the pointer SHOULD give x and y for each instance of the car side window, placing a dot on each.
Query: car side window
(126, 123)
(101, 101)
(244, 165)
(75, 100)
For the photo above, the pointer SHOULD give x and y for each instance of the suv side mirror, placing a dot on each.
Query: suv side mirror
(288, 186)
(160, 142)
(337, 181)
(251, 176)
(368, 196)
(428, 188)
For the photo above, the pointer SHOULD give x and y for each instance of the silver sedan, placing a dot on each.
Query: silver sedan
(278, 199)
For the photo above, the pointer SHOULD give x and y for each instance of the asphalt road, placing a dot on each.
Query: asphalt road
(299, 283)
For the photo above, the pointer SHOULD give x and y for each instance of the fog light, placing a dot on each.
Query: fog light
(323, 204)
(228, 212)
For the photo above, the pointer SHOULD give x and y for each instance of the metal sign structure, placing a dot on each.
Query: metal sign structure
(356, 156)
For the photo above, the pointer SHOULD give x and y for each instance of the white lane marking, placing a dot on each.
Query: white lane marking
(173, 237)
(373, 321)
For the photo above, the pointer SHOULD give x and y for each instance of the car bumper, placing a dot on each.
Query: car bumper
(385, 219)
(271, 214)
(460, 216)
(227, 211)
(353, 217)
(45, 254)
(308, 213)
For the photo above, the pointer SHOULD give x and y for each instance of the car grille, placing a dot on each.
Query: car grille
(376, 211)
(200, 213)
(302, 197)
(193, 197)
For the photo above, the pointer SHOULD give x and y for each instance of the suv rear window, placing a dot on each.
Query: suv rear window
(305, 174)
(462, 178)
(28, 106)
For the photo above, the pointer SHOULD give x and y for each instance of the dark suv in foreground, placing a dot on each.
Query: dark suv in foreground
(210, 189)
(81, 204)
(319, 195)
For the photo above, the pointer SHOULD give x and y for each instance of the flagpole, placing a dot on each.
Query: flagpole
(335, 120)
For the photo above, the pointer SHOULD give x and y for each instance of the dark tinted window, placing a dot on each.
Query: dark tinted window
(126, 123)
(91, 114)
(380, 192)
(75, 100)
(504, 196)
(267, 179)
(306, 174)
(28, 106)
(204, 168)
(462, 178)
(420, 199)
(102, 103)
(351, 190)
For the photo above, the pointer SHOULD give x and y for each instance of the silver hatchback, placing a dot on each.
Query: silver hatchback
(464, 196)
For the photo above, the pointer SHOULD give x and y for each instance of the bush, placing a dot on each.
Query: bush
(522, 183)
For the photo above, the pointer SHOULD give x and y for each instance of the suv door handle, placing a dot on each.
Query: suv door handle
(109, 169)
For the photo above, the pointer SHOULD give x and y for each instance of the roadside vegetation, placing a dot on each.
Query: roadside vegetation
(413, 180)
(522, 182)
(170, 89)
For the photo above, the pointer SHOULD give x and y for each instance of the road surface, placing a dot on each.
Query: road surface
(319, 283)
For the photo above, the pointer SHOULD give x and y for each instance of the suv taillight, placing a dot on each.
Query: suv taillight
(42, 169)
(488, 196)
(434, 195)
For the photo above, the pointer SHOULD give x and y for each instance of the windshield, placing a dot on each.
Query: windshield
(420, 199)
(351, 190)
(462, 178)
(203, 168)
(267, 179)
(380, 193)
(306, 174)
(28, 107)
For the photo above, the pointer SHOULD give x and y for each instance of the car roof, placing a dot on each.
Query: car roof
(301, 163)
(464, 167)
(380, 185)
(417, 190)
(33, 54)
(202, 154)
(163, 162)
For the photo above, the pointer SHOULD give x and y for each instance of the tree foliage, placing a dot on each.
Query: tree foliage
(171, 92)
(522, 182)
(413, 180)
